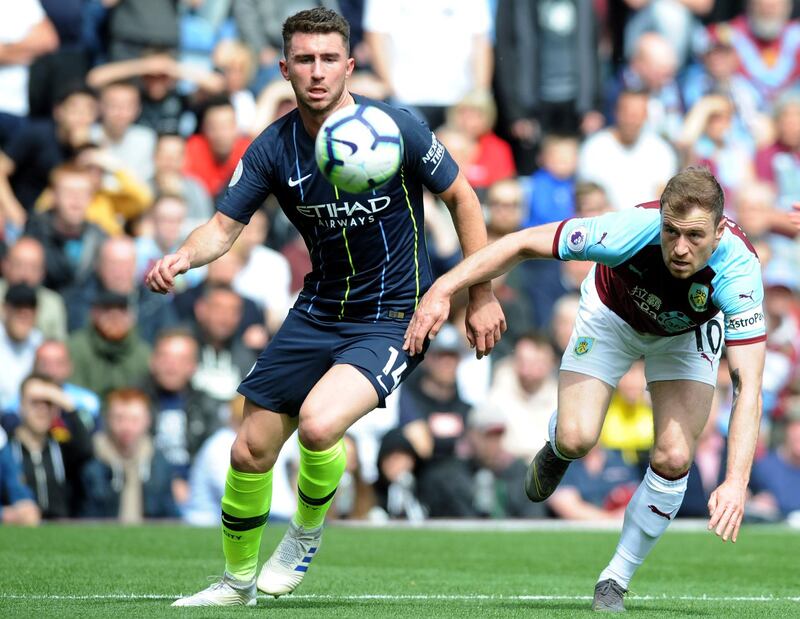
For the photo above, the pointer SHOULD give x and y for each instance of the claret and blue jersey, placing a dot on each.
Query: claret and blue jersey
(368, 252)
(633, 281)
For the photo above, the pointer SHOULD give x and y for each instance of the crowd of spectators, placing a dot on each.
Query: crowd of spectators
(121, 122)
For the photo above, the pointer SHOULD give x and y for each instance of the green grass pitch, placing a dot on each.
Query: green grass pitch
(110, 571)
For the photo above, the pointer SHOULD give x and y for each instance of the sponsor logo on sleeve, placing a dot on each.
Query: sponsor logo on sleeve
(237, 174)
(577, 239)
(745, 321)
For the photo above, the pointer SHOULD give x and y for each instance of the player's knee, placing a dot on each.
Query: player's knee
(574, 441)
(248, 456)
(670, 462)
(317, 433)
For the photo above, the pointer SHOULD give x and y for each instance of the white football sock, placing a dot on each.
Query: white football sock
(551, 430)
(653, 506)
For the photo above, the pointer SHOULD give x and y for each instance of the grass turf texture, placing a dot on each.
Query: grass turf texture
(56, 571)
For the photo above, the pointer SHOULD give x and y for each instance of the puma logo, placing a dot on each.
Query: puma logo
(707, 358)
(600, 242)
(658, 512)
(749, 295)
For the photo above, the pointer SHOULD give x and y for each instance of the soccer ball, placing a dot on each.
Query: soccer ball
(359, 148)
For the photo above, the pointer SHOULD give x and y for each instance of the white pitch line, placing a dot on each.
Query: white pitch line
(414, 597)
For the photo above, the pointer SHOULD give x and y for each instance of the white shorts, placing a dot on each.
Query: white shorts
(604, 346)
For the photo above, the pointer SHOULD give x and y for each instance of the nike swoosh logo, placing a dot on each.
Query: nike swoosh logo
(293, 183)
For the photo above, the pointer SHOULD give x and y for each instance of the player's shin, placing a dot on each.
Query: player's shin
(652, 508)
(317, 480)
(245, 508)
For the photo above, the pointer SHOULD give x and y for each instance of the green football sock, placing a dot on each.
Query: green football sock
(245, 508)
(319, 475)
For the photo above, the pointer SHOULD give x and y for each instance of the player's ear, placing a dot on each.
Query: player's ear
(284, 68)
(720, 228)
(351, 65)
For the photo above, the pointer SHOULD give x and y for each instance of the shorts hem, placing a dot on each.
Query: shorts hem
(374, 381)
(589, 372)
(260, 401)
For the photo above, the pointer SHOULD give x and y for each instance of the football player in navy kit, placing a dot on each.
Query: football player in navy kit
(672, 281)
(340, 350)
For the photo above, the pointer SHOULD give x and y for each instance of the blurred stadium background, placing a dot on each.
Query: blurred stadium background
(121, 122)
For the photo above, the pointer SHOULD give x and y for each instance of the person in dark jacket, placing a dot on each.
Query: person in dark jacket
(129, 478)
(50, 445)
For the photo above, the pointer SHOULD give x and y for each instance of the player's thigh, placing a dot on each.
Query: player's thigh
(582, 404)
(339, 399)
(293, 362)
(680, 412)
(260, 438)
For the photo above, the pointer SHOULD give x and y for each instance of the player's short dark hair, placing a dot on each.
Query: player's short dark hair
(316, 21)
(694, 187)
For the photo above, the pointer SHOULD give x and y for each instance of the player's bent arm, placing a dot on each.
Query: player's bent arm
(726, 504)
(419, 435)
(205, 244)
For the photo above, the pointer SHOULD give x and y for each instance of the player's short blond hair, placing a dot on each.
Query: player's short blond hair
(694, 187)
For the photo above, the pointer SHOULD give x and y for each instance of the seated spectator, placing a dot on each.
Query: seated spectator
(24, 263)
(777, 163)
(630, 163)
(565, 311)
(775, 480)
(718, 74)
(120, 106)
(212, 154)
(183, 418)
(114, 204)
(53, 362)
(129, 479)
(224, 358)
(492, 160)
(598, 489)
(108, 353)
(36, 149)
(50, 445)
(17, 505)
(707, 139)
(164, 108)
(19, 339)
(223, 272)
(116, 272)
(761, 34)
(526, 390)
(235, 61)
(169, 179)
(163, 235)
(70, 242)
(628, 427)
(652, 70)
(277, 99)
(396, 486)
(433, 419)
(498, 477)
(271, 293)
(552, 187)
(27, 33)
(590, 200)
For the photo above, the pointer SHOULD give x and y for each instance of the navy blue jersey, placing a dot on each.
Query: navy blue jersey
(368, 253)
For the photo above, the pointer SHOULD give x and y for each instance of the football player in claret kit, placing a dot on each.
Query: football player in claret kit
(340, 350)
(673, 280)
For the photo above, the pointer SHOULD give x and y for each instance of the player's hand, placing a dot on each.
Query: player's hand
(485, 321)
(431, 313)
(161, 277)
(726, 508)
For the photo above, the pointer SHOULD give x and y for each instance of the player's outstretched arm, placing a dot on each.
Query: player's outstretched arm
(205, 244)
(482, 266)
(726, 504)
(485, 322)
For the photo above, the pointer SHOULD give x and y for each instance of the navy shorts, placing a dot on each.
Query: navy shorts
(305, 348)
